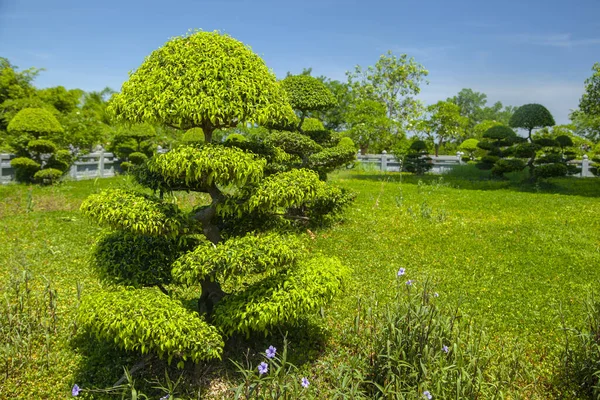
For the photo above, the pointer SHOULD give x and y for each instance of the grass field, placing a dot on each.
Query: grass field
(518, 258)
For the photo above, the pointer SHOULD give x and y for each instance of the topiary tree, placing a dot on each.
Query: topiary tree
(530, 117)
(246, 277)
(417, 160)
(39, 159)
(470, 146)
(306, 93)
(496, 141)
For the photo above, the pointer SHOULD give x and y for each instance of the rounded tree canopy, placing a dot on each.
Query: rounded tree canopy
(531, 116)
(312, 125)
(306, 93)
(203, 79)
(418, 146)
(500, 132)
(469, 145)
(35, 121)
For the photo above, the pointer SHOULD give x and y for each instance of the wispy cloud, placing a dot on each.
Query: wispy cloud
(564, 40)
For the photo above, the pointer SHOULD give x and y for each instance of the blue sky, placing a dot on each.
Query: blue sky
(514, 51)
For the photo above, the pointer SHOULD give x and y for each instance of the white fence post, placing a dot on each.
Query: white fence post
(384, 160)
(101, 163)
(585, 166)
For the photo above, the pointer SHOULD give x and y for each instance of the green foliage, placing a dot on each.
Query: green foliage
(65, 101)
(506, 165)
(25, 168)
(35, 121)
(137, 158)
(330, 159)
(193, 136)
(551, 170)
(48, 176)
(589, 103)
(346, 142)
(580, 369)
(293, 143)
(483, 126)
(41, 146)
(203, 79)
(146, 320)
(209, 164)
(11, 107)
(135, 260)
(60, 160)
(306, 93)
(133, 212)
(369, 124)
(14, 84)
(470, 146)
(531, 116)
(237, 258)
(500, 133)
(312, 125)
(416, 160)
(445, 123)
(236, 137)
(282, 297)
(285, 190)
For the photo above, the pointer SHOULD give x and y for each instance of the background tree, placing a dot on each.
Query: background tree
(470, 147)
(369, 126)
(587, 117)
(444, 123)
(473, 106)
(392, 81)
(249, 280)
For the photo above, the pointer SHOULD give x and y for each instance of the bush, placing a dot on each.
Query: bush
(193, 136)
(135, 260)
(35, 121)
(48, 176)
(504, 166)
(137, 158)
(41, 146)
(294, 143)
(347, 142)
(236, 137)
(126, 166)
(149, 321)
(551, 170)
(25, 168)
(61, 160)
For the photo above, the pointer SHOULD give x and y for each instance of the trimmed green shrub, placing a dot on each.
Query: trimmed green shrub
(294, 143)
(48, 176)
(193, 136)
(135, 260)
(551, 170)
(34, 121)
(137, 158)
(61, 160)
(41, 146)
(236, 137)
(146, 320)
(506, 165)
(25, 168)
(417, 161)
(127, 166)
(346, 142)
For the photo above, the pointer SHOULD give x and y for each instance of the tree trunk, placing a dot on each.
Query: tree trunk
(208, 132)
(302, 116)
(211, 295)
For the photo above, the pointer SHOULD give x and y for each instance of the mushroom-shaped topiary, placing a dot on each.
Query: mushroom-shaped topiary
(530, 117)
(306, 93)
(36, 122)
(203, 79)
(249, 280)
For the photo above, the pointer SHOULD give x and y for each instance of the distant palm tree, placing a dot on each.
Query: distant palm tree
(96, 102)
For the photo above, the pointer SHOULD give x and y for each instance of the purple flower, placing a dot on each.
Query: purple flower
(427, 395)
(271, 352)
(263, 367)
(445, 349)
(75, 391)
(409, 282)
(401, 271)
(305, 383)
(436, 294)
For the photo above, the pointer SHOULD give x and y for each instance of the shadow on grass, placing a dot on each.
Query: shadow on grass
(586, 187)
(103, 363)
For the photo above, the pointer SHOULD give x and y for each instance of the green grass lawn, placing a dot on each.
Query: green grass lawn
(516, 257)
